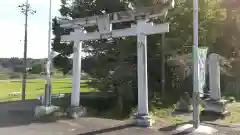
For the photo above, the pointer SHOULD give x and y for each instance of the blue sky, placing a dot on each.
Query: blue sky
(12, 28)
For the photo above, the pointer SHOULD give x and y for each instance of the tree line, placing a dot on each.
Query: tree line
(16, 65)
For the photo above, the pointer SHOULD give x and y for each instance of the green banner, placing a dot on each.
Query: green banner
(202, 56)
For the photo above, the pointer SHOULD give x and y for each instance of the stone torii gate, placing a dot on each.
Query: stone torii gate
(141, 29)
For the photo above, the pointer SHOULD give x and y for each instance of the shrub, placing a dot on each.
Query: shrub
(85, 76)
(96, 100)
(15, 76)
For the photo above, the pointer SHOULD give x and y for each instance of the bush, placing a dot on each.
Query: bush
(33, 76)
(15, 76)
(85, 76)
(4, 76)
(96, 100)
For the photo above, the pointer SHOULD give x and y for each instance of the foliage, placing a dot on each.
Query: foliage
(36, 69)
(15, 76)
(10, 65)
(99, 101)
(112, 63)
(12, 68)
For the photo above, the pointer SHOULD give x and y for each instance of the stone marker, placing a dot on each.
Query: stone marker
(184, 104)
(214, 103)
(214, 76)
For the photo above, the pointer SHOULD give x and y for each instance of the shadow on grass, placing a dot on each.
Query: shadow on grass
(211, 116)
(181, 113)
(68, 87)
(84, 86)
(19, 81)
(62, 82)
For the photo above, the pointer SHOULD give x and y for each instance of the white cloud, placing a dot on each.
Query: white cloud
(12, 28)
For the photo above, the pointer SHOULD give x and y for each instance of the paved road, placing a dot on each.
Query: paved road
(226, 130)
(83, 126)
(16, 118)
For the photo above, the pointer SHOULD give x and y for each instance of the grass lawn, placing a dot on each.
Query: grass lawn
(35, 88)
(164, 115)
(234, 108)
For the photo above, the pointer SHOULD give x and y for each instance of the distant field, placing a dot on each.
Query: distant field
(35, 88)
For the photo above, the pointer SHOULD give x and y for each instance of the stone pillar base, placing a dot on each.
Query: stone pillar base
(190, 130)
(43, 110)
(76, 112)
(143, 121)
(184, 104)
(217, 107)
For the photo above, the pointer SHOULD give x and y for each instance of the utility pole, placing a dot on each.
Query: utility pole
(48, 90)
(196, 118)
(25, 9)
(163, 74)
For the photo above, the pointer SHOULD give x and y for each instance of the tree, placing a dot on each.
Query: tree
(36, 69)
(112, 63)
(108, 59)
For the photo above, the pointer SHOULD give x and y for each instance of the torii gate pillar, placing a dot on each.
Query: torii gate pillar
(143, 115)
(76, 73)
(75, 109)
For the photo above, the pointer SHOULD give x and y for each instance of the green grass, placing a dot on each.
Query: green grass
(165, 114)
(35, 88)
(234, 108)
